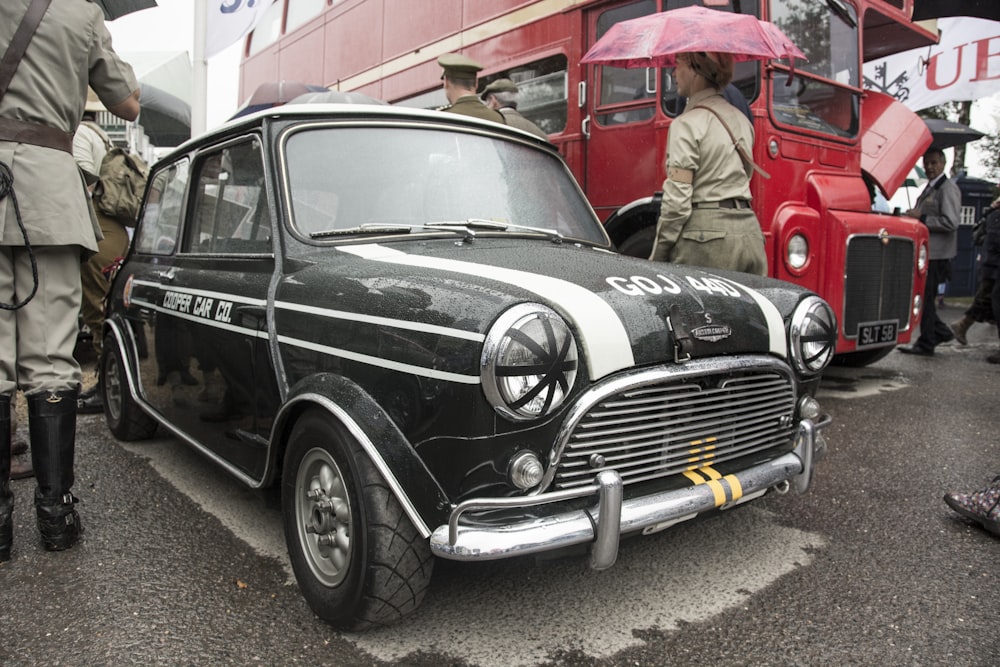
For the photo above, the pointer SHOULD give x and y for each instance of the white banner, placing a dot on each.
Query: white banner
(229, 20)
(964, 65)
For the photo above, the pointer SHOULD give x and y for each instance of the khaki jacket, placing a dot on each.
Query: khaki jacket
(70, 50)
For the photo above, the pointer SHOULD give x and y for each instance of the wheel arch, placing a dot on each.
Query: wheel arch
(420, 495)
(633, 217)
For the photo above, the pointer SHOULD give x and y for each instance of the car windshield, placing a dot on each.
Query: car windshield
(382, 179)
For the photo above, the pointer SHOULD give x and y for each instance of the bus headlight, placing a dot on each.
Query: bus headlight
(812, 335)
(797, 251)
(529, 362)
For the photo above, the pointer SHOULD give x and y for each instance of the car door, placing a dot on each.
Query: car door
(208, 370)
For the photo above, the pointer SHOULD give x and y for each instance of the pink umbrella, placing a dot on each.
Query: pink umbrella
(655, 39)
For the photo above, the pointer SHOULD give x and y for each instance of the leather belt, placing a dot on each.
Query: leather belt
(724, 203)
(35, 134)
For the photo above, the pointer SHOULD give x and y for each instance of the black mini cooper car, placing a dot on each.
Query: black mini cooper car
(414, 323)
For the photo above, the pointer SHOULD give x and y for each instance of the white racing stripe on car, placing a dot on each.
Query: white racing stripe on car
(602, 333)
(382, 321)
(775, 323)
(422, 371)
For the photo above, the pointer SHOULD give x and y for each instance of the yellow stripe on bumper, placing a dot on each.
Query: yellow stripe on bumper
(724, 489)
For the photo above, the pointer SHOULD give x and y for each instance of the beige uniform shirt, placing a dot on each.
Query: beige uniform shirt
(71, 50)
(703, 166)
(699, 144)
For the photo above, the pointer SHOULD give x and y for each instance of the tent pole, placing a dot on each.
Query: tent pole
(199, 96)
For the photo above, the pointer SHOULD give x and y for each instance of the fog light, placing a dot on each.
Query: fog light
(525, 470)
(809, 408)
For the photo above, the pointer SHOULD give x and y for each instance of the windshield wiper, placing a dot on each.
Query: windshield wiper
(482, 223)
(840, 9)
(368, 228)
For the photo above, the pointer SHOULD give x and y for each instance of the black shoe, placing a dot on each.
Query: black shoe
(916, 349)
(58, 522)
(994, 358)
(91, 405)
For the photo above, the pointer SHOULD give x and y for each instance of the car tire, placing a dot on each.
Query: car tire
(639, 244)
(358, 559)
(125, 419)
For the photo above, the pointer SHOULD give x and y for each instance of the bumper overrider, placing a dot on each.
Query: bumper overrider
(603, 524)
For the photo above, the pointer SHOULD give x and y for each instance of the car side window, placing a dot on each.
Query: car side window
(160, 224)
(229, 214)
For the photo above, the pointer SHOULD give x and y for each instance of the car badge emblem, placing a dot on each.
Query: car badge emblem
(883, 236)
(712, 333)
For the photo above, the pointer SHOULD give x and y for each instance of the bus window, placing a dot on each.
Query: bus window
(746, 78)
(300, 11)
(819, 96)
(268, 29)
(542, 92)
(624, 94)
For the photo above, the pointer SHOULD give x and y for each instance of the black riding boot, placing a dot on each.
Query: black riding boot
(52, 424)
(6, 497)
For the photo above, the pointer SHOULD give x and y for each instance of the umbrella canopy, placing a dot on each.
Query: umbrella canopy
(655, 39)
(275, 93)
(114, 9)
(164, 118)
(335, 97)
(948, 134)
(935, 9)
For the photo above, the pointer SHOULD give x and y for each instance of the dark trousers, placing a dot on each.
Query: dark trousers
(981, 309)
(932, 330)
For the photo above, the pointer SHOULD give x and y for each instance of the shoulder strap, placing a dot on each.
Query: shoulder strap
(19, 42)
(739, 149)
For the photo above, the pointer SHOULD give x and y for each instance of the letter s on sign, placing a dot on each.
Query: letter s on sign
(624, 286)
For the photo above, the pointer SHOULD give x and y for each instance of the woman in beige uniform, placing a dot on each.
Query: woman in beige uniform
(705, 216)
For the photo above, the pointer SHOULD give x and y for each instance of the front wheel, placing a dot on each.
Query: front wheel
(359, 560)
(125, 419)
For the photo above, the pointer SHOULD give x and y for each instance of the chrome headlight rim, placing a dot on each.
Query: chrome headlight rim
(534, 338)
(812, 335)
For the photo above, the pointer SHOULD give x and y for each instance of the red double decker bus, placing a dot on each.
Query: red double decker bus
(826, 141)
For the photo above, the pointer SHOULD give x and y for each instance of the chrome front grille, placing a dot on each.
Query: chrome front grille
(657, 425)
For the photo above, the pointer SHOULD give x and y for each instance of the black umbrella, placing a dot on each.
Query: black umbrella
(164, 118)
(948, 134)
(114, 9)
(935, 9)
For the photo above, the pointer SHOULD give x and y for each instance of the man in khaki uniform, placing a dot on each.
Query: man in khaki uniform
(705, 215)
(90, 145)
(459, 78)
(502, 95)
(40, 286)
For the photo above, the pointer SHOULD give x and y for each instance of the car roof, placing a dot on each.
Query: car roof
(333, 111)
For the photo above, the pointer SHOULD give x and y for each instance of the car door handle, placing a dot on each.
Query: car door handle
(251, 316)
(167, 275)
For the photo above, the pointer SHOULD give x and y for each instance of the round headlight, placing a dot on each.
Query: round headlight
(813, 335)
(529, 362)
(798, 251)
(922, 258)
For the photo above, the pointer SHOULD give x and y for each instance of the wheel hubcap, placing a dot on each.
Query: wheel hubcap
(323, 511)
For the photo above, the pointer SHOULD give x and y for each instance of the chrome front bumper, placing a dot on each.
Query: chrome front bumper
(603, 524)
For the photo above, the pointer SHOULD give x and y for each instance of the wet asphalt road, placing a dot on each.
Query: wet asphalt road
(181, 566)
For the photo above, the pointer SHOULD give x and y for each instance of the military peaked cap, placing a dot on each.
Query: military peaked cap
(457, 66)
(499, 86)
